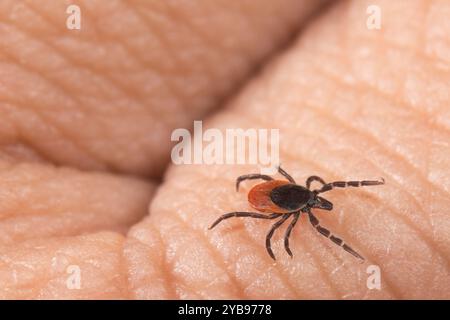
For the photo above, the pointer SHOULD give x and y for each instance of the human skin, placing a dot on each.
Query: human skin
(83, 135)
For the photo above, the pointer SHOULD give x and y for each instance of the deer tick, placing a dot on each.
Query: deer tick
(284, 199)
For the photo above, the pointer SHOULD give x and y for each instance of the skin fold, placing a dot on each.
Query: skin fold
(85, 123)
(111, 93)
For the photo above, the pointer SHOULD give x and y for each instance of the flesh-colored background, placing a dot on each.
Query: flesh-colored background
(85, 122)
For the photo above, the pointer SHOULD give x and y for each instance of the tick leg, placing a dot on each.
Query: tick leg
(345, 184)
(245, 214)
(275, 226)
(251, 177)
(326, 233)
(286, 175)
(288, 233)
(314, 178)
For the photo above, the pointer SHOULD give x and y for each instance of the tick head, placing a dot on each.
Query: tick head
(322, 203)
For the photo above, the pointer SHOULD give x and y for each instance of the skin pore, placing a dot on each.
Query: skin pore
(85, 123)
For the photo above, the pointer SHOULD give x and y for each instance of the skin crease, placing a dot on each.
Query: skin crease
(350, 103)
(136, 70)
(43, 201)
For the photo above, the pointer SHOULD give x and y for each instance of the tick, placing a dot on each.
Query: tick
(284, 199)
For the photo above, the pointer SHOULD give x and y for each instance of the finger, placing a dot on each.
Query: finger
(372, 106)
(83, 267)
(41, 201)
(107, 96)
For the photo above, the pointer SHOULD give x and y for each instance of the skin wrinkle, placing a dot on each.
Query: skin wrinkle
(185, 291)
(168, 48)
(423, 112)
(400, 101)
(344, 124)
(412, 198)
(45, 119)
(218, 254)
(22, 142)
(45, 19)
(72, 140)
(357, 38)
(60, 131)
(272, 268)
(31, 182)
(316, 259)
(131, 53)
(53, 24)
(200, 35)
(120, 264)
(219, 261)
(371, 137)
(128, 92)
(203, 38)
(427, 239)
(294, 291)
(41, 152)
(436, 62)
(22, 139)
(166, 266)
(66, 94)
(245, 17)
(195, 33)
(38, 287)
(376, 91)
(120, 253)
(167, 270)
(322, 272)
(177, 286)
(126, 292)
(37, 71)
(66, 57)
(442, 256)
(429, 192)
(41, 183)
(428, 197)
(333, 284)
(175, 92)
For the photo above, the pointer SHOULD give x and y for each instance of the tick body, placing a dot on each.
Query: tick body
(282, 199)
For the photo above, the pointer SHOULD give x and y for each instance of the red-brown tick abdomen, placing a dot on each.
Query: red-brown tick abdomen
(259, 197)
